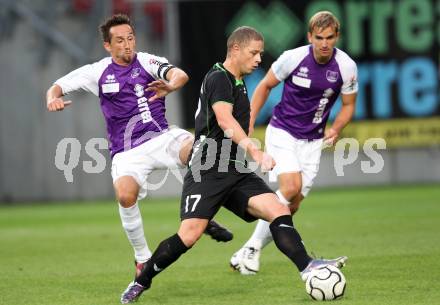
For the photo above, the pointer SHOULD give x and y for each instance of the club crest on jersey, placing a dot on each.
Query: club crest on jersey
(303, 72)
(139, 90)
(135, 72)
(331, 76)
(110, 78)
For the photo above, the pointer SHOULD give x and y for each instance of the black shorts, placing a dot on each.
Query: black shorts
(232, 190)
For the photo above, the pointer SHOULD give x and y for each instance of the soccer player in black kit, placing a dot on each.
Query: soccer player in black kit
(218, 174)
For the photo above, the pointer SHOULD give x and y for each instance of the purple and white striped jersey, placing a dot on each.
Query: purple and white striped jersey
(310, 90)
(130, 119)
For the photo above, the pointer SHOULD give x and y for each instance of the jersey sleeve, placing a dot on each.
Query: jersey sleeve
(349, 78)
(85, 78)
(288, 61)
(348, 69)
(157, 66)
(219, 88)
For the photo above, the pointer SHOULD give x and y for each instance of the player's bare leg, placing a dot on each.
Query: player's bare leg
(185, 150)
(126, 190)
(290, 184)
(247, 259)
(191, 230)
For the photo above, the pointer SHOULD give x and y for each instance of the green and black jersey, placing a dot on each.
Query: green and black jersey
(211, 146)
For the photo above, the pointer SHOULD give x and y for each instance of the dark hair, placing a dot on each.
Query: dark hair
(322, 20)
(242, 36)
(114, 20)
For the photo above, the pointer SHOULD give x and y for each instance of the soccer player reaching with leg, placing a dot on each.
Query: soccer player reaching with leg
(314, 75)
(131, 87)
(221, 141)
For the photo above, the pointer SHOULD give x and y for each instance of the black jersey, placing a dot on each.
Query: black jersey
(212, 149)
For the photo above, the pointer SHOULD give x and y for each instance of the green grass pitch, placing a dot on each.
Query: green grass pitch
(77, 253)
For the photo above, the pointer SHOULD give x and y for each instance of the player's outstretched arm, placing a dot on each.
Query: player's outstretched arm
(232, 129)
(54, 100)
(176, 79)
(260, 96)
(342, 119)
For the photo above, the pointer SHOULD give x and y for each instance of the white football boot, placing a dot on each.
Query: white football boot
(246, 261)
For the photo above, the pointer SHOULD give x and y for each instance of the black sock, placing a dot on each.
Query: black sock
(168, 251)
(288, 240)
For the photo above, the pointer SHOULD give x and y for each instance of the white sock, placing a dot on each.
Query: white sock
(132, 223)
(262, 235)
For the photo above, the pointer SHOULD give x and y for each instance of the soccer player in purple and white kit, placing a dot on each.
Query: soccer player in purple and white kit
(131, 87)
(314, 75)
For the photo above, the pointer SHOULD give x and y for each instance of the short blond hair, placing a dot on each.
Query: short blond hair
(242, 36)
(322, 20)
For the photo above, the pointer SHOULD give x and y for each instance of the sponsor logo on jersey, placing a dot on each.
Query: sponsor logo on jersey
(142, 101)
(110, 78)
(303, 72)
(322, 105)
(135, 72)
(353, 82)
(300, 81)
(155, 62)
(328, 92)
(332, 76)
(139, 90)
(110, 88)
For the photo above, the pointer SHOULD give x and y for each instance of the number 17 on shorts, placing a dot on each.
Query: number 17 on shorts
(191, 202)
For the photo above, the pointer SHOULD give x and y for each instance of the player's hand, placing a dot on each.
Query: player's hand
(160, 88)
(57, 104)
(330, 137)
(264, 160)
(268, 163)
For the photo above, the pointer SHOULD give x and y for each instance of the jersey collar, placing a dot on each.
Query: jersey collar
(236, 82)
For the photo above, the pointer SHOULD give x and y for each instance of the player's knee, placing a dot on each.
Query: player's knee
(284, 210)
(291, 190)
(189, 238)
(127, 199)
(190, 234)
(277, 211)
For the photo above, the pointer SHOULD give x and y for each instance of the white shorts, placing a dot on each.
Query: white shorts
(161, 152)
(293, 155)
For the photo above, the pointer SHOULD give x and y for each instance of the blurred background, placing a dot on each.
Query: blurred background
(394, 43)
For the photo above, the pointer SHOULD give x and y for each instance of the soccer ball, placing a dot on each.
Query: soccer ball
(326, 284)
